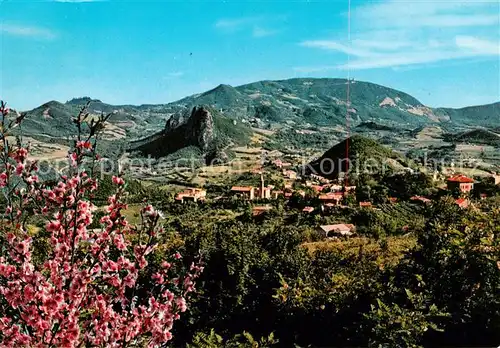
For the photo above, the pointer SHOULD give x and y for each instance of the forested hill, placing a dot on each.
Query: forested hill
(362, 151)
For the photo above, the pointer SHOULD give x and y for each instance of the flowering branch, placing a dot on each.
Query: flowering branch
(86, 291)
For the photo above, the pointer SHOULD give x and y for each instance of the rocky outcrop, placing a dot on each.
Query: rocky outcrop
(200, 128)
(180, 131)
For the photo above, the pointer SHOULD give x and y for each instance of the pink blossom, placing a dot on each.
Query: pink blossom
(166, 265)
(53, 226)
(118, 181)
(3, 179)
(181, 303)
(119, 242)
(84, 145)
(32, 179)
(21, 154)
(159, 278)
(22, 247)
(72, 159)
(79, 296)
(19, 168)
(129, 280)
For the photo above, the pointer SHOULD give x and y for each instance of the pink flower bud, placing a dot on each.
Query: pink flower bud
(118, 181)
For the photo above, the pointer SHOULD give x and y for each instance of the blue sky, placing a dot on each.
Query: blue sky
(444, 53)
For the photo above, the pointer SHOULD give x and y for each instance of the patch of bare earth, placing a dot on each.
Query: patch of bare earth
(44, 151)
(387, 102)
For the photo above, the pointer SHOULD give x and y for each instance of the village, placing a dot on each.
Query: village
(320, 195)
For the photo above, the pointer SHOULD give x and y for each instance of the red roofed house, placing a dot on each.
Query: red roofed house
(331, 197)
(365, 204)
(335, 188)
(247, 192)
(420, 199)
(256, 211)
(461, 183)
(250, 192)
(317, 188)
(290, 174)
(191, 194)
(351, 189)
(336, 230)
(462, 202)
(328, 206)
(308, 210)
(278, 163)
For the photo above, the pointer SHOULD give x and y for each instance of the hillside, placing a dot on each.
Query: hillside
(426, 132)
(372, 126)
(364, 153)
(315, 101)
(54, 119)
(316, 104)
(481, 115)
(203, 129)
(476, 136)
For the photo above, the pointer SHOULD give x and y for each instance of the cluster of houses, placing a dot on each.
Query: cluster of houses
(462, 184)
(191, 195)
(328, 192)
(251, 192)
(285, 167)
(457, 183)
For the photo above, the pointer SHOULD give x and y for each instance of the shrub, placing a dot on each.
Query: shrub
(81, 287)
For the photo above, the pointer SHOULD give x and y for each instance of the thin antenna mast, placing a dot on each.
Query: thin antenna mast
(348, 96)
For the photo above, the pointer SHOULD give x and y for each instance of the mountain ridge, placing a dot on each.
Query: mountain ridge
(297, 101)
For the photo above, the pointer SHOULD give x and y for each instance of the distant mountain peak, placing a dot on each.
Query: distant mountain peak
(221, 88)
(223, 85)
(82, 101)
(51, 103)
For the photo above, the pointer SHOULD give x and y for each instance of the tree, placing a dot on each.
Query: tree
(87, 289)
(458, 257)
(408, 185)
(394, 325)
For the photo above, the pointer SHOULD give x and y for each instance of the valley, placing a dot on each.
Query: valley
(229, 130)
